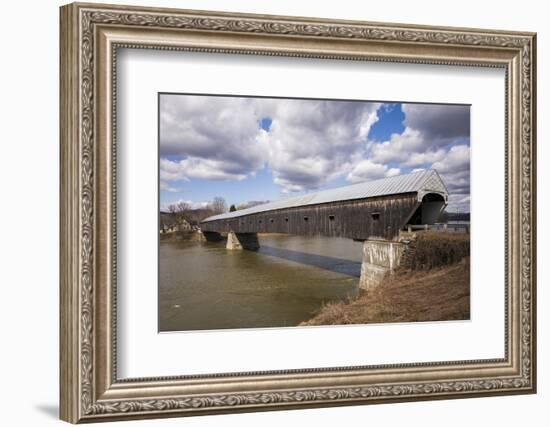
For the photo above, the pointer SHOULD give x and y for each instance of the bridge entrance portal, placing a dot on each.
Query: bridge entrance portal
(430, 209)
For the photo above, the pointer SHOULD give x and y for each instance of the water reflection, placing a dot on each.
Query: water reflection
(337, 265)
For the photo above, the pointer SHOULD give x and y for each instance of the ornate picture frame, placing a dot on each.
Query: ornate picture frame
(90, 37)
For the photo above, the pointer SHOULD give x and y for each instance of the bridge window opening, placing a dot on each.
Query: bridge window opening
(271, 220)
(306, 218)
(286, 219)
(331, 217)
(375, 216)
(259, 221)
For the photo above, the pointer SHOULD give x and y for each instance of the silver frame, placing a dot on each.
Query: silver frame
(90, 37)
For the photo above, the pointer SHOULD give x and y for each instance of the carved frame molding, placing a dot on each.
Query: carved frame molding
(90, 36)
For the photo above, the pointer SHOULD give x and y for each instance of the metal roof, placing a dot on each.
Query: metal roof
(416, 182)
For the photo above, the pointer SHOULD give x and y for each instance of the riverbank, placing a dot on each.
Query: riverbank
(434, 287)
(184, 235)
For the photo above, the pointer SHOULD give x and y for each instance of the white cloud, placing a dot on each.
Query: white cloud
(218, 138)
(419, 159)
(458, 203)
(194, 167)
(439, 123)
(410, 149)
(309, 142)
(393, 172)
(396, 149)
(457, 159)
(312, 142)
(367, 171)
(164, 186)
(435, 136)
(455, 169)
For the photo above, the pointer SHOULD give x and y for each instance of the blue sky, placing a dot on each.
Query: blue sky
(258, 149)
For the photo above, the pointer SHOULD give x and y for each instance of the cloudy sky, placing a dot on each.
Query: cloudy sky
(247, 149)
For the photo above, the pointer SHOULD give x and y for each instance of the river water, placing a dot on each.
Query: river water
(205, 286)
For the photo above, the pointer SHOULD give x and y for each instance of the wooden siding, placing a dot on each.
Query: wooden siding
(353, 219)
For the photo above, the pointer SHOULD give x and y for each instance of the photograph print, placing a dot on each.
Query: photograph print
(293, 212)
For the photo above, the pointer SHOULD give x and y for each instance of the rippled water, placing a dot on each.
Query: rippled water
(205, 286)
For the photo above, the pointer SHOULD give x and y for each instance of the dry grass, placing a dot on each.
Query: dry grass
(441, 293)
(435, 249)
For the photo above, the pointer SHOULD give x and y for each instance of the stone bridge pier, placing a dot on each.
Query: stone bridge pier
(239, 241)
(380, 258)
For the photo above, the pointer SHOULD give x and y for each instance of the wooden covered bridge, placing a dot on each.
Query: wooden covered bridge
(374, 212)
(374, 209)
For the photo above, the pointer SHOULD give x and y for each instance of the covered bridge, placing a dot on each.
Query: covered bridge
(376, 209)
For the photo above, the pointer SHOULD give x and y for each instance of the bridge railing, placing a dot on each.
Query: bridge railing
(451, 227)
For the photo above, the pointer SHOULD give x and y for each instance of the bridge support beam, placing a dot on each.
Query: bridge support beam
(239, 241)
(212, 236)
(380, 258)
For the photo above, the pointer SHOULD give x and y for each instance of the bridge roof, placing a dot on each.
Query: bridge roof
(415, 182)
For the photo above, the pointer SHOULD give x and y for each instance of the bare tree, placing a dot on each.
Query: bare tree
(218, 205)
(183, 208)
(172, 209)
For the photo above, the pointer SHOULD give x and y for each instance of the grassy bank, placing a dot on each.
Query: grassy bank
(435, 286)
(435, 249)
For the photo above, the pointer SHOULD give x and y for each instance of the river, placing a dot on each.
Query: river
(203, 286)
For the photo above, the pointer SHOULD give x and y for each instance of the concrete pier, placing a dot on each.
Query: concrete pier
(380, 258)
(239, 241)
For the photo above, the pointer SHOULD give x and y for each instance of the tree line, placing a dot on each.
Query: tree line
(184, 211)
